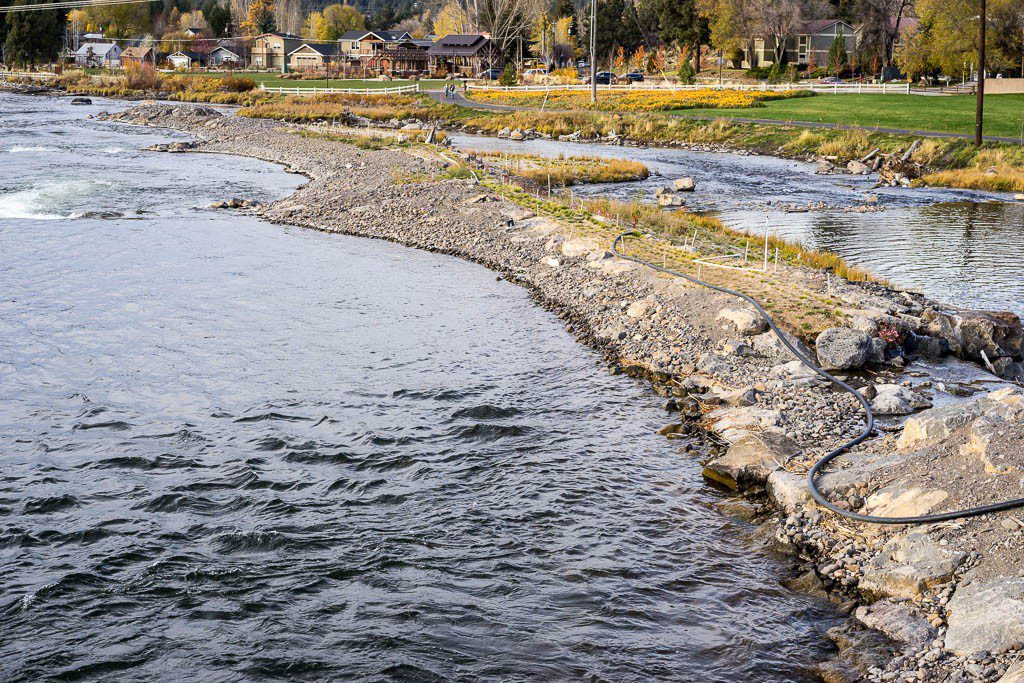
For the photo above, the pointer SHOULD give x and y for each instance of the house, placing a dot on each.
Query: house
(98, 54)
(313, 55)
(138, 55)
(360, 44)
(271, 50)
(809, 44)
(463, 54)
(195, 32)
(186, 59)
(222, 56)
(399, 58)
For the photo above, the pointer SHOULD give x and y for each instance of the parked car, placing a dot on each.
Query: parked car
(490, 74)
(831, 80)
(606, 78)
(535, 73)
(633, 77)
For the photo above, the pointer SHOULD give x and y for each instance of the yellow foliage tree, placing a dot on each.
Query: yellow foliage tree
(451, 19)
(260, 18)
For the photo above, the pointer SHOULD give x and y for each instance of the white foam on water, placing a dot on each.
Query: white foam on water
(25, 204)
(37, 148)
(113, 150)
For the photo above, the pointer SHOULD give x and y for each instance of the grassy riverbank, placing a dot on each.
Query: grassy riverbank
(944, 161)
(1004, 114)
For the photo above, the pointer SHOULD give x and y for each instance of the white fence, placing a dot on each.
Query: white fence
(36, 75)
(397, 90)
(834, 88)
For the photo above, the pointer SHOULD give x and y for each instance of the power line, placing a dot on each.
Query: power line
(67, 4)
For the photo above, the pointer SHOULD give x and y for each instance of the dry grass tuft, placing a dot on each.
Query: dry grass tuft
(564, 171)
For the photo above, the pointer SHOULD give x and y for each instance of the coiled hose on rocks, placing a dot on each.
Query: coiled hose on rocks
(868, 426)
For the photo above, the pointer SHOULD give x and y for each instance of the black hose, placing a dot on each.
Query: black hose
(868, 427)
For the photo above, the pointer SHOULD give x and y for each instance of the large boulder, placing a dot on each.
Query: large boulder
(750, 460)
(842, 348)
(684, 184)
(747, 321)
(969, 333)
(986, 616)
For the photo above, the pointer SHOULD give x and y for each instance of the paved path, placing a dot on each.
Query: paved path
(463, 102)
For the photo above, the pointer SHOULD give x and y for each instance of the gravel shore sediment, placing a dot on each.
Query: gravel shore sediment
(942, 602)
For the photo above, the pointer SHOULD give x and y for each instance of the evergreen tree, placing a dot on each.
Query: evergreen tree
(217, 16)
(837, 55)
(616, 28)
(34, 36)
(681, 23)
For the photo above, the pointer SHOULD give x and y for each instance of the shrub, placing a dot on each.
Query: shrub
(566, 75)
(237, 84)
(508, 76)
(141, 76)
(687, 74)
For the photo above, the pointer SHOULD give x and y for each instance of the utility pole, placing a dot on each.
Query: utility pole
(980, 113)
(593, 51)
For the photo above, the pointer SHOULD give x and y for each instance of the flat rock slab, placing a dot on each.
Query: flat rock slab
(986, 616)
(908, 565)
(901, 621)
(789, 491)
(894, 501)
(734, 423)
(750, 460)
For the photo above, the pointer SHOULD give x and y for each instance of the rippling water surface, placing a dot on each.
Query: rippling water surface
(958, 246)
(235, 451)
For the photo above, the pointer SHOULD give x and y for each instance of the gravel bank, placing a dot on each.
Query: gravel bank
(944, 602)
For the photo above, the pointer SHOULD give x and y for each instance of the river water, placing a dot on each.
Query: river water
(238, 451)
(957, 246)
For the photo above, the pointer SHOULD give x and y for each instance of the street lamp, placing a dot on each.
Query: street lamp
(979, 115)
(593, 51)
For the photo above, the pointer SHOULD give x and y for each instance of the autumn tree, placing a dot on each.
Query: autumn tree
(334, 21)
(946, 39)
(777, 20)
(452, 19)
(260, 17)
(508, 21)
(733, 25)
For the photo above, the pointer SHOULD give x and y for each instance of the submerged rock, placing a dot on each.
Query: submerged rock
(893, 399)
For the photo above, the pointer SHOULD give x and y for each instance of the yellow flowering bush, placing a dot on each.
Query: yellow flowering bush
(637, 100)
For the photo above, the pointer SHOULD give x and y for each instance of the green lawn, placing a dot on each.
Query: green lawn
(1004, 114)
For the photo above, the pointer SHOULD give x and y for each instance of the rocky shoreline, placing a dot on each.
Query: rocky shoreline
(941, 602)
